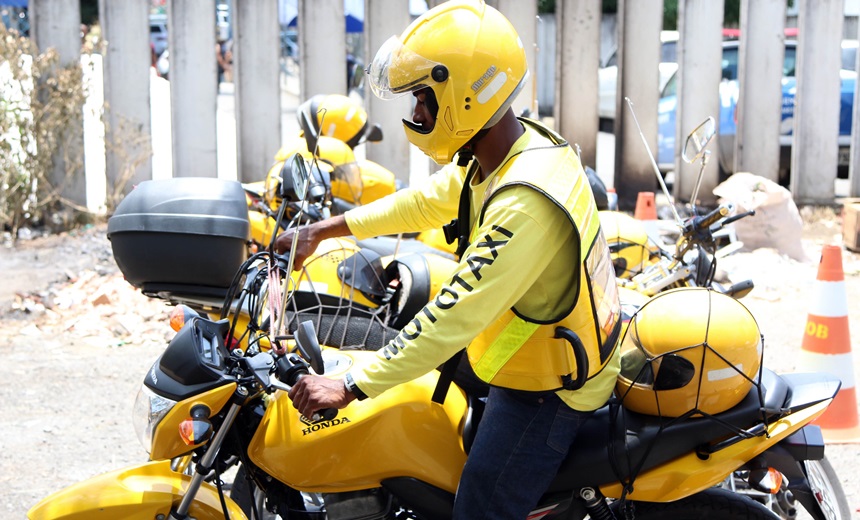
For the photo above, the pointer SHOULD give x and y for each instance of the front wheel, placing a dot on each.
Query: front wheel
(248, 496)
(710, 504)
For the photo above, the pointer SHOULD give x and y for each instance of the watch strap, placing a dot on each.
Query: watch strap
(351, 387)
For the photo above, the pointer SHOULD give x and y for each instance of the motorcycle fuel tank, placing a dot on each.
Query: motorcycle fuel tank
(400, 433)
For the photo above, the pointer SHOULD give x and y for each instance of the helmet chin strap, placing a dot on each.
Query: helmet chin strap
(465, 154)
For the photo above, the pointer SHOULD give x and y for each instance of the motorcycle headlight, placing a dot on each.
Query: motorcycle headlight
(149, 409)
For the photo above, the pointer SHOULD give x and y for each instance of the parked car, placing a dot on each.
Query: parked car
(608, 75)
(729, 92)
(849, 55)
(158, 33)
(222, 22)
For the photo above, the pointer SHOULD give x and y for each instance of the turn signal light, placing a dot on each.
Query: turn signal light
(180, 315)
(766, 480)
(196, 429)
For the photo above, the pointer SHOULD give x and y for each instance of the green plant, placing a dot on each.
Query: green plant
(40, 123)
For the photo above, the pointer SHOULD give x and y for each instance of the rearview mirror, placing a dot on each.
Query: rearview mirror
(309, 346)
(698, 140)
(294, 178)
(300, 176)
(356, 76)
(374, 135)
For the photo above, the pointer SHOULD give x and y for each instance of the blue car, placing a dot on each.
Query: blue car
(728, 102)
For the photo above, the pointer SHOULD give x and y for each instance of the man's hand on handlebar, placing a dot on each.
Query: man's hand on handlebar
(310, 237)
(313, 393)
(307, 244)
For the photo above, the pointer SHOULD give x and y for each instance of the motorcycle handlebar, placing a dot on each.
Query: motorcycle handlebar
(711, 218)
(289, 370)
(739, 216)
(340, 206)
(289, 373)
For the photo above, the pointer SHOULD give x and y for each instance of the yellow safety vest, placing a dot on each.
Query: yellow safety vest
(524, 353)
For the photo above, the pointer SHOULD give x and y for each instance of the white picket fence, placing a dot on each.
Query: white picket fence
(250, 123)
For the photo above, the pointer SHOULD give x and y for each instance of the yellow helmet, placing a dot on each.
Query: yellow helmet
(628, 242)
(469, 54)
(697, 351)
(340, 117)
(341, 271)
(377, 181)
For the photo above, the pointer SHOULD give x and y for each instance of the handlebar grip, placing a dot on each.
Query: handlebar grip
(288, 371)
(290, 374)
(340, 206)
(326, 414)
(712, 217)
(739, 216)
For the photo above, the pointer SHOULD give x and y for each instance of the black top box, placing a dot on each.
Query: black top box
(182, 235)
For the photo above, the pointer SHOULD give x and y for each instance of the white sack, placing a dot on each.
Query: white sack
(776, 223)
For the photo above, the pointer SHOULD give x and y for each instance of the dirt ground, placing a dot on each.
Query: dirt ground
(76, 339)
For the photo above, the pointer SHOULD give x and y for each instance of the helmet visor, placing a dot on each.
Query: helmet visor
(674, 372)
(397, 70)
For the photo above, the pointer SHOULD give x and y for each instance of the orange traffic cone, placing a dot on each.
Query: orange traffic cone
(645, 206)
(827, 347)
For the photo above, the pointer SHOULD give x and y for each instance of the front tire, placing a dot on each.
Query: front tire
(710, 504)
(248, 496)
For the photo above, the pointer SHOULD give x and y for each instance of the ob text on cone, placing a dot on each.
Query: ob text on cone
(826, 346)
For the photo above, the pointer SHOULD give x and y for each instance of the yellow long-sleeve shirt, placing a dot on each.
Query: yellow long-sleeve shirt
(524, 255)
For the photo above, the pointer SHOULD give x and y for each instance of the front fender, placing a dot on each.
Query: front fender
(139, 492)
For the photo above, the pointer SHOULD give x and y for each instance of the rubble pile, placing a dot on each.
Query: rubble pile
(95, 308)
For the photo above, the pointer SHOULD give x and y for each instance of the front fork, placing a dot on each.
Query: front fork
(205, 465)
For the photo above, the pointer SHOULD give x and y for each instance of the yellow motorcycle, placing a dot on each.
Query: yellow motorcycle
(645, 263)
(688, 414)
(182, 240)
(331, 127)
(401, 455)
(341, 183)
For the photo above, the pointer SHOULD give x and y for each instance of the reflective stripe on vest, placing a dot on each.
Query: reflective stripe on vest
(517, 352)
(500, 351)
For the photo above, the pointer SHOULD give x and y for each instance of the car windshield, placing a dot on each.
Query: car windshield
(730, 62)
(671, 87)
(849, 57)
(669, 52)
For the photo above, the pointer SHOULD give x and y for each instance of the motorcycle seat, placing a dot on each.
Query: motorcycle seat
(634, 442)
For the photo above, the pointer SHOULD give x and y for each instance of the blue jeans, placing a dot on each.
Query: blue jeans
(521, 441)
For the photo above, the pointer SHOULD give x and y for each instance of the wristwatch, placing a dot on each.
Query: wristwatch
(353, 388)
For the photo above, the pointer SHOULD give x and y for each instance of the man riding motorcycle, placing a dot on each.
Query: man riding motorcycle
(525, 216)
